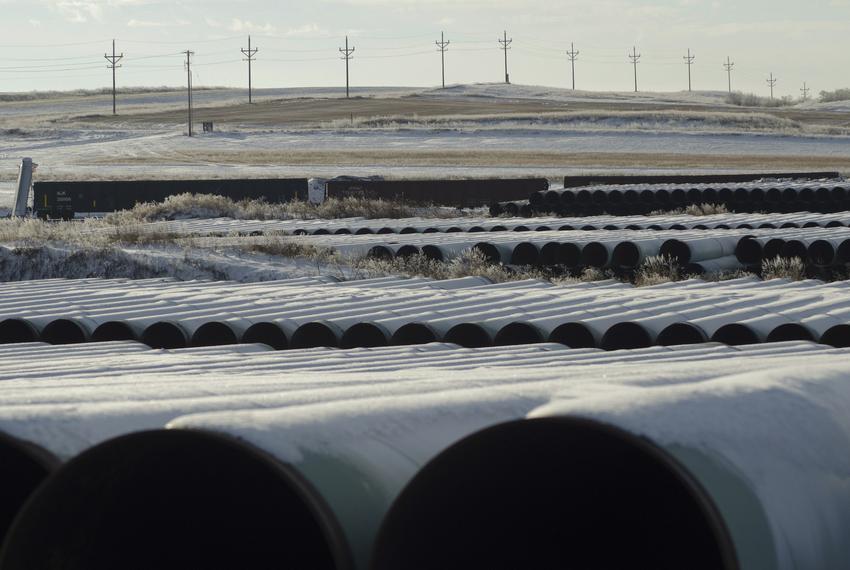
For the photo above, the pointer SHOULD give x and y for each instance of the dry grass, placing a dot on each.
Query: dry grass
(657, 269)
(693, 210)
(782, 268)
(213, 206)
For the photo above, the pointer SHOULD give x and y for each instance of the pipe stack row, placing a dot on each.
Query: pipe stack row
(469, 312)
(823, 196)
(221, 227)
(696, 462)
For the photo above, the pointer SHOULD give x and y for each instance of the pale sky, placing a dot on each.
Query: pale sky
(59, 44)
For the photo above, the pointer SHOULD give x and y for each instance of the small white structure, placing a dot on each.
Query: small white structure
(22, 191)
(317, 190)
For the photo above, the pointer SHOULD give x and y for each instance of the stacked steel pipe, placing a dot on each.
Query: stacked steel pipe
(407, 467)
(822, 196)
(471, 312)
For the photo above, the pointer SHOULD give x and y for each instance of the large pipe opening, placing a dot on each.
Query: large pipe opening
(433, 252)
(364, 335)
(626, 336)
(574, 335)
(594, 254)
(414, 333)
(214, 333)
(837, 336)
(626, 255)
(165, 335)
(554, 493)
(789, 332)
(748, 251)
(735, 334)
(569, 255)
(677, 249)
(407, 251)
(316, 335)
(821, 253)
(525, 253)
(468, 335)
(63, 331)
(266, 333)
(680, 334)
(381, 252)
(489, 251)
(24, 466)
(516, 334)
(16, 331)
(175, 500)
(113, 331)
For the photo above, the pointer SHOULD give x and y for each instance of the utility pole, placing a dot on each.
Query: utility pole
(188, 62)
(805, 91)
(443, 45)
(113, 65)
(249, 55)
(505, 45)
(772, 83)
(729, 65)
(689, 61)
(573, 55)
(347, 56)
(635, 58)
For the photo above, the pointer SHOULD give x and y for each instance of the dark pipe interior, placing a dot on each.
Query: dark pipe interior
(342, 231)
(432, 252)
(574, 335)
(626, 255)
(550, 493)
(676, 249)
(521, 229)
(214, 334)
(315, 335)
(24, 467)
(409, 230)
(842, 256)
(63, 331)
(735, 334)
(594, 254)
(489, 251)
(837, 336)
(516, 334)
(468, 335)
(771, 248)
(790, 331)
(14, 331)
(386, 231)
(414, 333)
(748, 251)
(380, 252)
(113, 330)
(525, 253)
(266, 333)
(626, 336)
(821, 253)
(794, 248)
(499, 229)
(176, 499)
(364, 231)
(365, 335)
(549, 253)
(477, 229)
(680, 334)
(165, 335)
(407, 251)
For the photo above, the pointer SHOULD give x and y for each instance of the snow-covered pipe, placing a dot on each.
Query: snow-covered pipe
(25, 466)
(707, 266)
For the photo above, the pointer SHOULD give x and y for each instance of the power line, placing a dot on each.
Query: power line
(772, 83)
(113, 65)
(573, 55)
(635, 58)
(188, 62)
(443, 45)
(347, 56)
(689, 61)
(249, 55)
(729, 65)
(805, 91)
(505, 45)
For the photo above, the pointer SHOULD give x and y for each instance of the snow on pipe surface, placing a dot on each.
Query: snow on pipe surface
(359, 228)
(383, 309)
(301, 464)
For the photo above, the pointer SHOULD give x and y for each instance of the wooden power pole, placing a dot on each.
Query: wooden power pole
(347, 55)
(505, 45)
(442, 46)
(113, 65)
(249, 57)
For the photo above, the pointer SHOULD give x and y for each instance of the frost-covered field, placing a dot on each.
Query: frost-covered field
(476, 130)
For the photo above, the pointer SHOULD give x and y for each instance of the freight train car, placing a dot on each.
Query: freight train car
(64, 200)
(460, 193)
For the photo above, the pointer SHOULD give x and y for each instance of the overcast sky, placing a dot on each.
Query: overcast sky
(59, 44)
